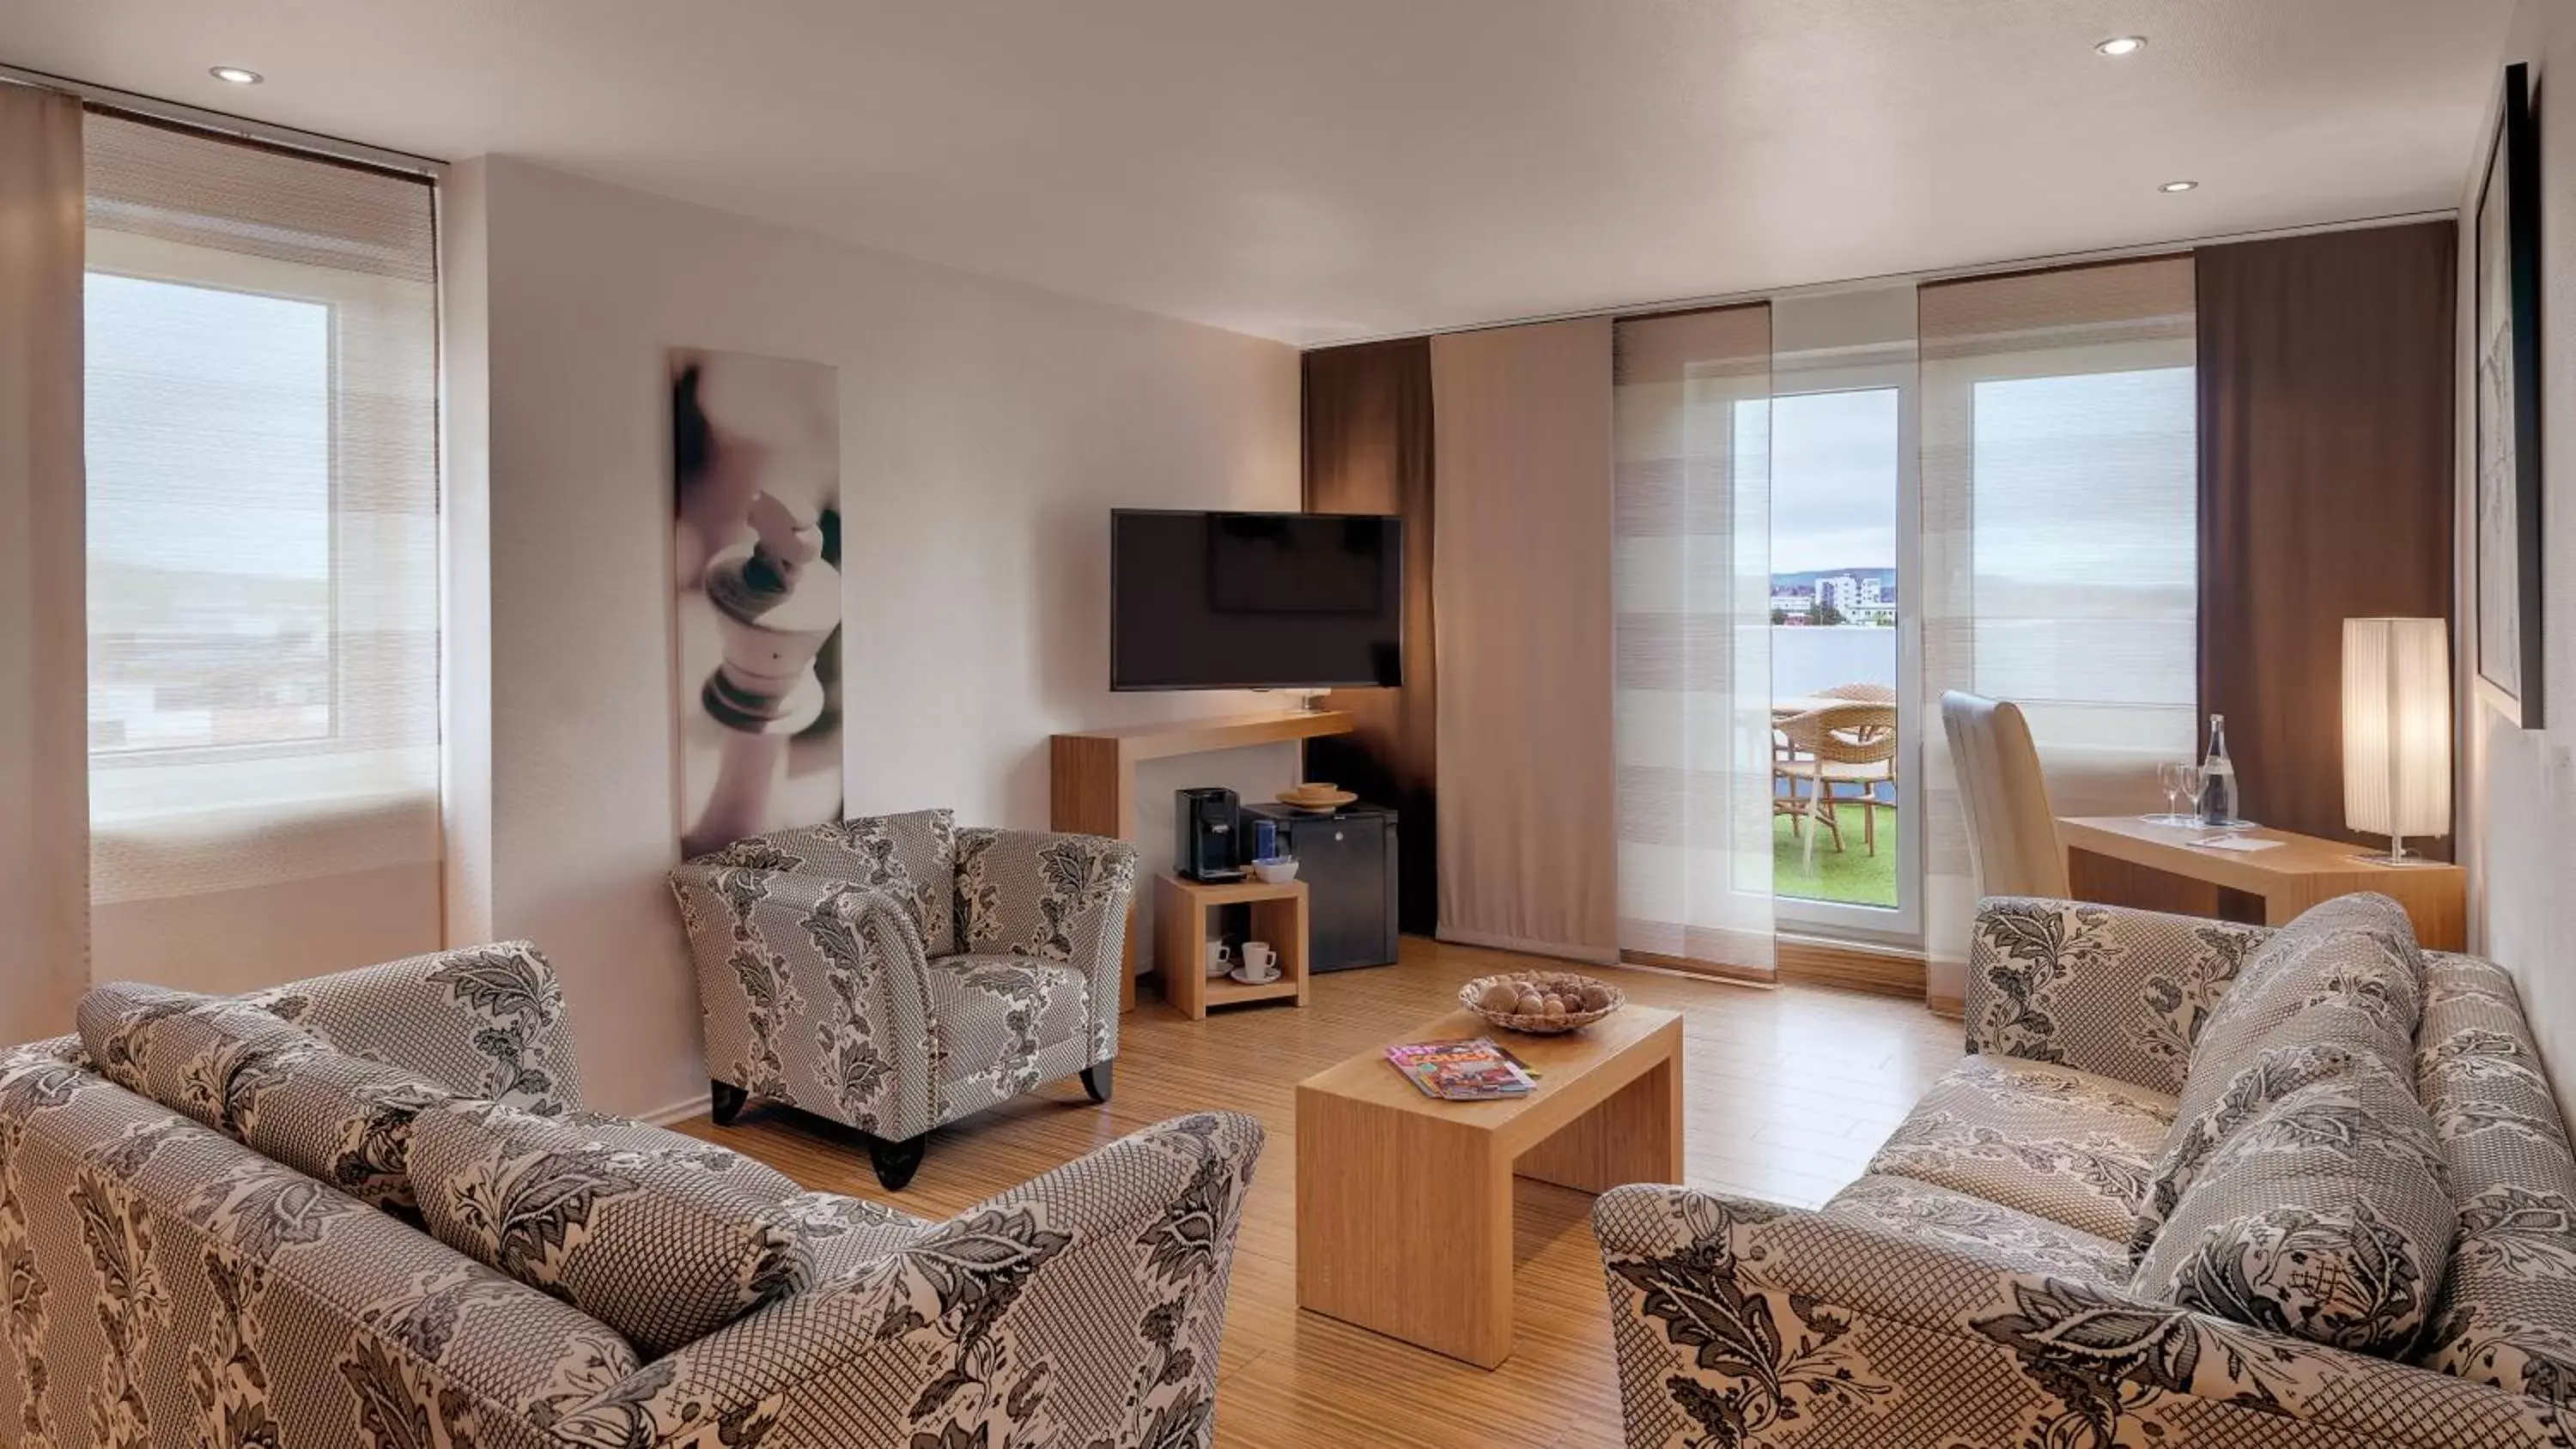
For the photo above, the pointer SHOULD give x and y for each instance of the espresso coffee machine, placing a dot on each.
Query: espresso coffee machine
(1204, 848)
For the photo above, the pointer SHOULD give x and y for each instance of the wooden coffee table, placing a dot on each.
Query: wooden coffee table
(1404, 1204)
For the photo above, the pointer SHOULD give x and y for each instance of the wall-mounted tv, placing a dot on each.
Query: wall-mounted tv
(1255, 600)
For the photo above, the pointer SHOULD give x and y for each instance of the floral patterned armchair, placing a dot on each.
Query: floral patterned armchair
(894, 973)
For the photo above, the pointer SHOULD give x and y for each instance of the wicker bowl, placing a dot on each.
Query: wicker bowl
(1562, 983)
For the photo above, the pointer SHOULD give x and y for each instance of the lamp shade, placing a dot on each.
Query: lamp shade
(2397, 726)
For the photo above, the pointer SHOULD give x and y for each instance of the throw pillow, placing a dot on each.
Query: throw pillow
(2353, 961)
(338, 1118)
(2325, 1217)
(2324, 1040)
(659, 1236)
(180, 1048)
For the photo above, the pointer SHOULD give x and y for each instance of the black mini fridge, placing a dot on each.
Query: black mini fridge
(1347, 860)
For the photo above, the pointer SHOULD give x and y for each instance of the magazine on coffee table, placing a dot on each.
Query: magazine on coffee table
(1461, 1071)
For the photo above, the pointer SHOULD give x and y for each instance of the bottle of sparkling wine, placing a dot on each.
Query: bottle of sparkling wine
(2218, 778)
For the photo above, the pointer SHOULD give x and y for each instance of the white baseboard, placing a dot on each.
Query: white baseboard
(680, 1110)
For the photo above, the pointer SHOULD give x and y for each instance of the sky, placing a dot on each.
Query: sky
(1833, 480)
(209, 429)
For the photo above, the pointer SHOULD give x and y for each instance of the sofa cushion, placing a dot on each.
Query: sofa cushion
(2323, 1040)
(2355, 954)
(1000, 1009)
(1989, 1231)
(338, 1118)
(912, 856)
(2357, 949)
(846, 1234)
(661, 1237)
(2507, 1314)
(179, 1048)
(2064, 1145)
(2324, 1216)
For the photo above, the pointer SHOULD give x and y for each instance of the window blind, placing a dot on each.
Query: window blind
(261, 438)
(1692, 584)
(2060, 566)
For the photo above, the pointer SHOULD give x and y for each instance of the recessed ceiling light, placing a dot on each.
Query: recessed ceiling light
(233, 75)
(2178, 186)
(2123, 45)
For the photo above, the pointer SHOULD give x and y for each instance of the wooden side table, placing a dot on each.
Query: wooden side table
(1091, 785)
(1185, 925)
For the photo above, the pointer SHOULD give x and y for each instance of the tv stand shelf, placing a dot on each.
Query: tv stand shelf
(1091, 785)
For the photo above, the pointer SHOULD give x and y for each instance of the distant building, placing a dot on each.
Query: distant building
(1849, 595)
(1854, 598)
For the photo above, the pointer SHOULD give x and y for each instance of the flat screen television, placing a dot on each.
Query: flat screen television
(1255, 600)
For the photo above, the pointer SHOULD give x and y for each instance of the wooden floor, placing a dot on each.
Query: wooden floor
(1787, 1093)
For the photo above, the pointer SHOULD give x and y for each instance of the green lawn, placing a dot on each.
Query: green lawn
(1851, 874)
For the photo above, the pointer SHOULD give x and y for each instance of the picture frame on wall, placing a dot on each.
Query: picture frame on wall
(2508, 441)
(756, 594)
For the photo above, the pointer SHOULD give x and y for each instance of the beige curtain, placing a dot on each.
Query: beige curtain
(2060, 544)
(1693, 585)
(44, 890)
(1528, 844)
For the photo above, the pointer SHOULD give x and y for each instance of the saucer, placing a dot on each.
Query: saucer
(1237, 974)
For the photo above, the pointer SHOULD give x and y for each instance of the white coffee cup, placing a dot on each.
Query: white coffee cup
(1260, 963)
(1220, 958)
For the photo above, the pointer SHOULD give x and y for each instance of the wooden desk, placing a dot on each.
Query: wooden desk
(1091, 785)
(1404, 1204)
(2124, 861)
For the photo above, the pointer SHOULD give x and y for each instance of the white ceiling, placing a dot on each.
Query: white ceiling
(1313, 170)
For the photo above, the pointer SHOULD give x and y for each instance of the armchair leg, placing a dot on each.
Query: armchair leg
(1097, 1079)
(725, 1102)
(895, 1162)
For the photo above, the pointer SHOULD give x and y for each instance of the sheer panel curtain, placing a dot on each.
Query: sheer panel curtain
(2060, 543)
(262, 557)
(1693, 588)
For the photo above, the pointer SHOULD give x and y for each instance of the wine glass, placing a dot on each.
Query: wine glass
(2181, 782)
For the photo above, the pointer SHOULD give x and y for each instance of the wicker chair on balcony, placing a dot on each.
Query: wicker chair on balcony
(1842, 744)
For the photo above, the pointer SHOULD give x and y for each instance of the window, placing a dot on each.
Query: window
(2060, 557)
(2061, 504)
(2085, 536)
(262, 552)
(210, 601)
(1836, 472)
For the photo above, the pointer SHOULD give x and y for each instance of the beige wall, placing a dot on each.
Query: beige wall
(2518, 804)
(987, 430)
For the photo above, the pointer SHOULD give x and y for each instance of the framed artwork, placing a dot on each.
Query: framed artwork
(756, 589)
(2508, 412)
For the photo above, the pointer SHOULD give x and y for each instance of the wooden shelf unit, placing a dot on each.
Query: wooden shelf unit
(1185, 915)
(1091, 787)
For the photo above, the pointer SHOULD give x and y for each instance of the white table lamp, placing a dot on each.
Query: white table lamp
(2397, 731)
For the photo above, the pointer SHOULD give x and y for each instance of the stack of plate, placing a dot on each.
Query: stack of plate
(1317, 795)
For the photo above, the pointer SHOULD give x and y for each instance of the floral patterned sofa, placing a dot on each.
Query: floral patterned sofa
(1992, 1279)
(163, 1284)
(894, 973)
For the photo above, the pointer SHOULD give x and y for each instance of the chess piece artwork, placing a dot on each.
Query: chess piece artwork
(756, 521)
